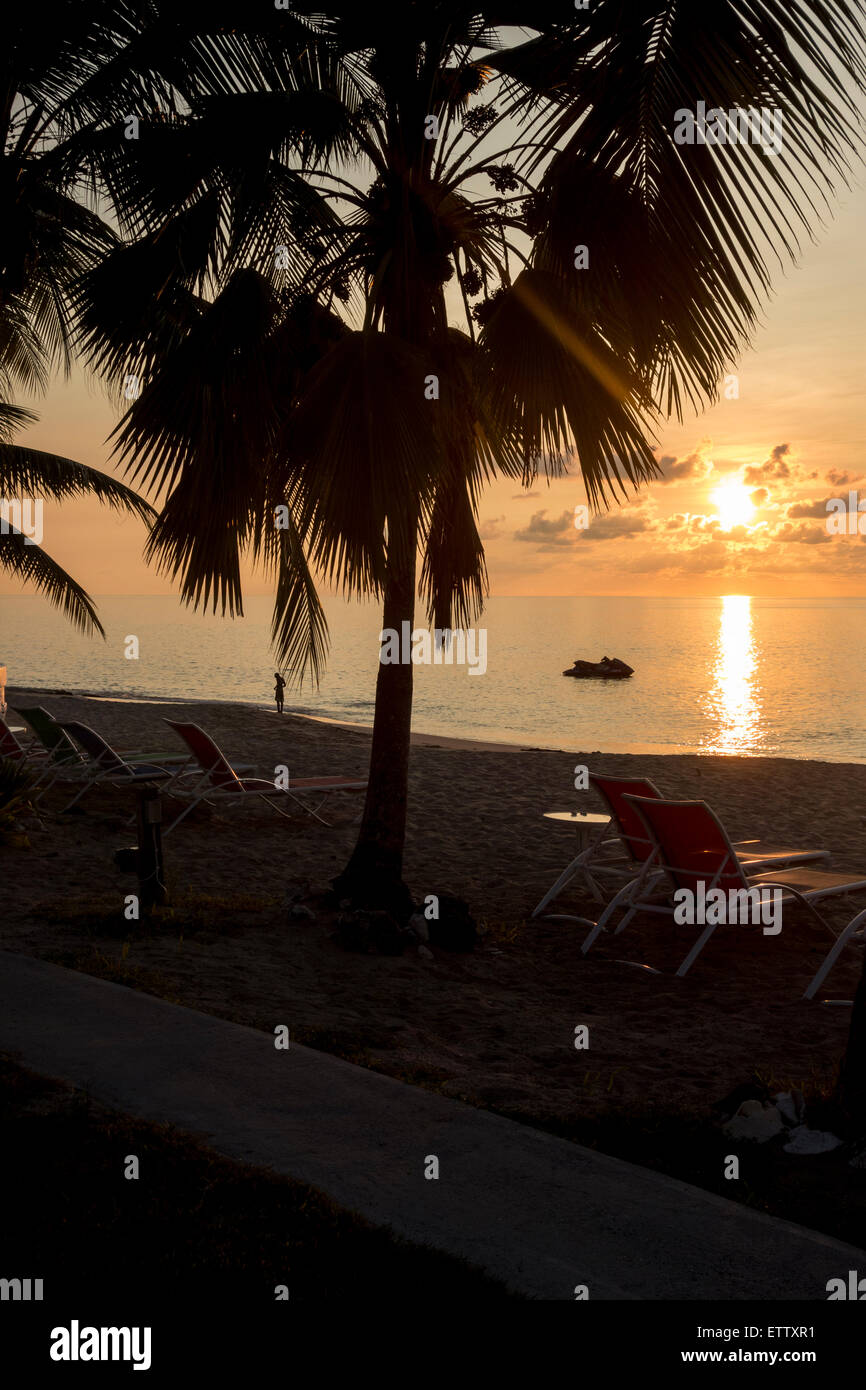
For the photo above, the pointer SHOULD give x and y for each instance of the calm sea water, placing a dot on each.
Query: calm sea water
(773, 677)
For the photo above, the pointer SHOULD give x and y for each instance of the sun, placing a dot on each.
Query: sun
(735, 505)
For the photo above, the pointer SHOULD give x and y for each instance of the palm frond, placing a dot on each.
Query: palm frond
(454, 571)
(33, 472)
(705, 221)
(359, 444)
(33, 565)
(299, 629)
(557, 386)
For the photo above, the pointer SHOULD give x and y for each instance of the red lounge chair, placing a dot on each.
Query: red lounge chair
(620, 855)
(617, 854)
(220, 780)
(691, 847)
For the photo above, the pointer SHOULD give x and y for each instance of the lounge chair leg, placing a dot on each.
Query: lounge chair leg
(184, 812)
(696, 950)
(79, 794)
(309, 809)
(623, 896)
(564, 878)
(833, 954)
(277, 808)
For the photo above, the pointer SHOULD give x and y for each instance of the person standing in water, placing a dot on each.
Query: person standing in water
(278, 691)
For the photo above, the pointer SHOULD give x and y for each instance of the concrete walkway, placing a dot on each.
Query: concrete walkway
(536, 1211)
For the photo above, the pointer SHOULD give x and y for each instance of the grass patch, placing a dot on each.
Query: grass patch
(192, 1224)
(188, 914)
(117, 970)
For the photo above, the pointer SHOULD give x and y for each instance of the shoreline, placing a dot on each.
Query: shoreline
(422, 739)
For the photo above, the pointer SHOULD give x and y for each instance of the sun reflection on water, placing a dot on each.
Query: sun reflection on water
(732, 703)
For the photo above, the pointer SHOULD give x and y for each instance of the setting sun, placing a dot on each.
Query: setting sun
(735, 505)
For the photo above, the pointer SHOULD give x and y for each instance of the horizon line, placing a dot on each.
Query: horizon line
(372, 599)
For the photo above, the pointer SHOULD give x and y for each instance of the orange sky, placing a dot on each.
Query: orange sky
(793, 438)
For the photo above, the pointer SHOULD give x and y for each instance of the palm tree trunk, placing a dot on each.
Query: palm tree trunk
(373, 877)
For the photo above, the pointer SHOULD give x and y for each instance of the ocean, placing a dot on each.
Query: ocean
(736, 675)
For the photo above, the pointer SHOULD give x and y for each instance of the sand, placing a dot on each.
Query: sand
(495, 1027)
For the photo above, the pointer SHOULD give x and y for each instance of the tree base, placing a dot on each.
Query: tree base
(372, 881)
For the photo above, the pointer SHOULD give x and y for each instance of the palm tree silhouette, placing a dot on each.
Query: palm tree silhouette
(73, 77)
(407, 255)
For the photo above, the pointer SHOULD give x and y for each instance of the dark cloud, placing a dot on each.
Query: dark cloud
(613, 525)
(843, 479)
(546, 533)
(693, 468)
(773, 468)
(802, 534)
(818, 508)
(759, 497)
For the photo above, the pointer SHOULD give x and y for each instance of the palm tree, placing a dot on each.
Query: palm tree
(33, 474)
(444, 199)
(72, 77)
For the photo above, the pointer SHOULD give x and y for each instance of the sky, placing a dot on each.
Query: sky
(792, 438)
(740, 506)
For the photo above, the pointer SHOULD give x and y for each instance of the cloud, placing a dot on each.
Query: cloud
(759, 496)
(613, 525)
(737, 534)
(774, 467)
(521, 496)
(843, 479)
(694, 468)
(548, 533)
(491, 529)
(818, 508)
(803, 534)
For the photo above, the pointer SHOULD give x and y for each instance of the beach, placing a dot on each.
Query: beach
(494, 1027)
